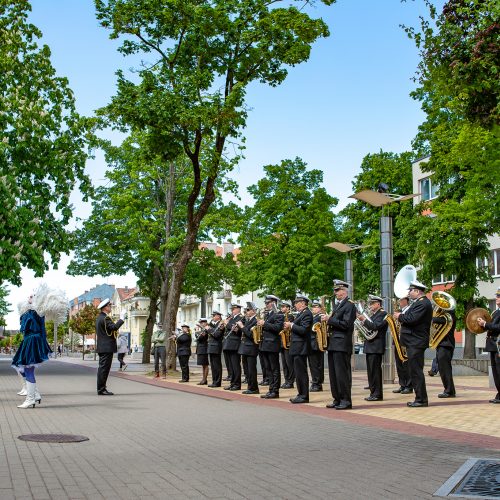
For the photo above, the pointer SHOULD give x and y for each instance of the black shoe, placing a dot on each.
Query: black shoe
(431, 373)
(227, 379)
(235, 388)
(105, 392)
(183, 380)
(271, 395)
(298, 400)
(264, 382)
(406, 391)
(228, 387)
(416, 404)
(250, 392)
(286, 385)
(344, 406)
(333, 404)
(398, 390)
(366, 388)
(213, 385)
(373, 398)
(316, 388)
(446, 395)
(202, 383)
(265, 395)
(494, 401)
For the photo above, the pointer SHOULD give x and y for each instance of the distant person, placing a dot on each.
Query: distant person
(202, 350)
(159, 351)
(122, 347)
(183, 344)
(106, 332)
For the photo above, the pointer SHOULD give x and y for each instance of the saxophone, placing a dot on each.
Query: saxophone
(257, 330)
(285, 335)
(320, 329)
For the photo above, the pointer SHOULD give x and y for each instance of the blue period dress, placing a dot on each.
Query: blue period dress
(34, 348)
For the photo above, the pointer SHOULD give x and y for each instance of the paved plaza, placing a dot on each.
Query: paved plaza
(163, 439)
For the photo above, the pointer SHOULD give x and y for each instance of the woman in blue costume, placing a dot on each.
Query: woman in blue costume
(34, 348)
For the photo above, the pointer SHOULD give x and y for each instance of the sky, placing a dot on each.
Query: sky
(350, 99)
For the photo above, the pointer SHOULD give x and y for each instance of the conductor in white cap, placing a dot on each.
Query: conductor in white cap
(106, 332)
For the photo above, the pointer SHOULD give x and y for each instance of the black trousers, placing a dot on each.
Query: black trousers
(216, 369)
(161, 359)
(227, 362)
(251, 363)
(272, 359)
(244, 364)
(317, 367)
(264, 366)
(444, 356)
(288, 370)
(301, 375)
(121, 356)
(339, 368)
(416, 366)
(105, 360)
(374, 371)
(495, 369)
(235, 363)
(403, 372)
(184, 362)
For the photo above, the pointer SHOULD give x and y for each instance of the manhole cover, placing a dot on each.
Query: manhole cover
(477, 478)
(53, 438)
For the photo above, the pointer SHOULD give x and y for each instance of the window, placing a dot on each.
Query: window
(441, 279)
(495, 262)
(428, 189)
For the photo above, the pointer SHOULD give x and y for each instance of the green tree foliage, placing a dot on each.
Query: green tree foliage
(284, 234)
(361, 220)
(42, 149)
(459, 91)
(4, 305)
(189, 99)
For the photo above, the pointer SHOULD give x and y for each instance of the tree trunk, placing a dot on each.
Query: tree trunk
(150, 323)
(470, 339)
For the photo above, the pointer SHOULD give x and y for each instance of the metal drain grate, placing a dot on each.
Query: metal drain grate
(53, 438)
(477, 478)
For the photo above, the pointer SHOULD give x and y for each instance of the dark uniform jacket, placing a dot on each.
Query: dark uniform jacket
(314, 339)
(301, 333)
(232, 334)
(105, 333)
(416, 324)
(376, 323)
(248, 347)
(215, 335)
(202, 342)
(341, 326)
(184, 344)
(449, 340)
(271, 340)
(493, 330)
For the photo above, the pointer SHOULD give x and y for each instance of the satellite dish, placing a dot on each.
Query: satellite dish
(405, 276)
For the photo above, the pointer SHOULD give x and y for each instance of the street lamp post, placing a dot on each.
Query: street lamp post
(381, 198)
(348, 271)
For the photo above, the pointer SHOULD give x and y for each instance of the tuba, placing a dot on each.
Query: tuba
(320, 329)
(405, 276)
(443, 303)
(367, 334)
(257, 330)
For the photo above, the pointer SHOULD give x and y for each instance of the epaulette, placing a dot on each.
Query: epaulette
(351, 301)
(422, 298)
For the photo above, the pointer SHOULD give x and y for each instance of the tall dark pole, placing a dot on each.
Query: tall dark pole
(387, 290)
(348, 275)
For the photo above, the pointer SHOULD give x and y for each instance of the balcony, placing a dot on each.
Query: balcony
(139, 311)
(224, 294)
(189, 301)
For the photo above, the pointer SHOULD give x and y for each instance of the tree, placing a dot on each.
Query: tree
(459, 92)
(189, 101)
(42, 149)
(285, 232)
(4, 305)
(83, 322)
(361, 221)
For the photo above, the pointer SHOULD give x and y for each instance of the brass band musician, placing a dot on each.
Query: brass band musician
(341, 329)
(249, 350)
(201, 350)
(230, 346)
(375, 346)
(215, 331)
(402, 367)
(286, 360)
(493, 332)
(316, 357)
(444, 355)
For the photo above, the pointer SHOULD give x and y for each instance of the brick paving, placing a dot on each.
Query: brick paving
(151, 441)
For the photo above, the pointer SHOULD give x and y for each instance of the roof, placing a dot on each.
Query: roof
(126, 293)
(100, 292)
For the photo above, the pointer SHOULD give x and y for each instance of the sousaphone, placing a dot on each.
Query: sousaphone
(471, 320)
